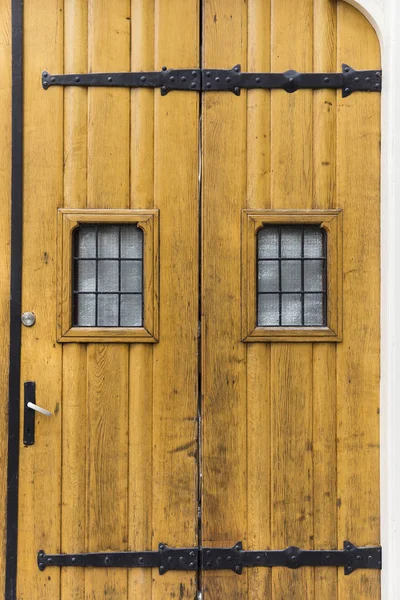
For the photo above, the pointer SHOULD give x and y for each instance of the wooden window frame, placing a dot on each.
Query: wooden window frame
(331, 222)
(68, 221)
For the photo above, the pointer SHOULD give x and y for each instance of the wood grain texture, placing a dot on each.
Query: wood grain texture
(291, 394)
(74, 366)
(259, 581)
(358, 189)
(5, 204)
(108, 365)
(40, 465)
(324, 355)
(141, 356)
(175, 370)
(224, 499)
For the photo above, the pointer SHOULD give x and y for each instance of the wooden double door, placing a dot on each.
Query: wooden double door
(197, 436)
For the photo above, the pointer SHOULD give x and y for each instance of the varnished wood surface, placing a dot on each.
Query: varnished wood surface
(290, 431)
(304, 417)
(115, 468)
(5, 205)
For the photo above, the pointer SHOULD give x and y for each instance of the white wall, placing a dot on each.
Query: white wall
(385, 17)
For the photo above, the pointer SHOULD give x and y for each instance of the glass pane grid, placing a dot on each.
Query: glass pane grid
(108, 276)
(291, 282)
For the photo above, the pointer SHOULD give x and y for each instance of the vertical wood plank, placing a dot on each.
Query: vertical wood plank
(74, 481)
(108, 364)
(175, 371)
(40, 465)
(259, 355)
(224, 498)
(5, 186)
(358, 180)
(141, 355)
(291, 393)
(324, 355)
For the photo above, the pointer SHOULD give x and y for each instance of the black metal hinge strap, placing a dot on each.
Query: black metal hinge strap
(166, 559)
(233, 559)
(166, 79)
(224, 80)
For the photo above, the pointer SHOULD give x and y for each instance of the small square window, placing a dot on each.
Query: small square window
(291, 275)
(108, 269)
(108, 275)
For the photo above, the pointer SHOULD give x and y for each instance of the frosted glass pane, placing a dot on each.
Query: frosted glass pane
(131, 276)
(131, 242)
(268, 242)
(85, 306)
(131, 311)
(291, 275)
(268, 310)
(86, 242)
(268, 276)
(107, 310)
(314, 310)
(108, 276)
(291, 309)
(108, 241)
(291, 241)
(86, 275)
(313, 242)
(313, 276)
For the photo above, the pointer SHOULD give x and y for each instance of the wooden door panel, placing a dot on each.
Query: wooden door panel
(290, 408)
(290, 444)
(115, 467)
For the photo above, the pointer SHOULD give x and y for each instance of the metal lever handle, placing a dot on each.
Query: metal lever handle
(39, 409)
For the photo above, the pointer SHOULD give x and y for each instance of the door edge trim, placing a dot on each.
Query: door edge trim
(15, 300)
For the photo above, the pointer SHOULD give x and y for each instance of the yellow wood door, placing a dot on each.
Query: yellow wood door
(290, 430)
(289, 452)
(114, 468)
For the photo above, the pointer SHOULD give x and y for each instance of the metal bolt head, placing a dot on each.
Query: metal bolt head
(193, 84)
(161, 547)
(228, 80)
(378, 86)
(237, 90)
(208, 85)
(194, 73)
(356, 79)
(73, 560)
(164, 68)
(109, 79)
(77, 79)
(162, 570)
(237, 569)
(208, 74)
(49, 561)
(172, 78)
(53, 79)
(368, 79)
(164, 88)
(217, 79)
(347, 90)
(45, 73)
(183, 78)
(258, 80)
(326, 79)
(143, 78)
(236, 69)
(28, 319)
(347, 70)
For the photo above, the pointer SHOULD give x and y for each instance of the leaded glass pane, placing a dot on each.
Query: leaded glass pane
(108, 276)
(291, 277)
